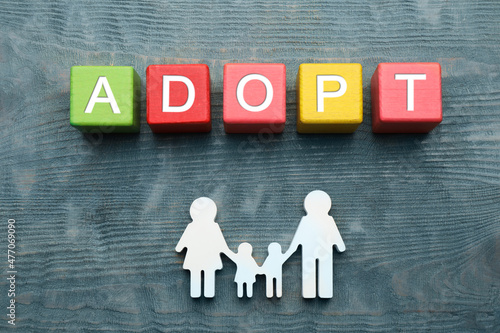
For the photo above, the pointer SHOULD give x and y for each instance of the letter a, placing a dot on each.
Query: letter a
(110, 98)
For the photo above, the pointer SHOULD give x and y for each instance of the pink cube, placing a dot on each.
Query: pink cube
(178, 98)
(406, 97)
(254, 98)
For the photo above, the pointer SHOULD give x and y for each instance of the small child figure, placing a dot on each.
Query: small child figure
(246, 269)
(273, 269)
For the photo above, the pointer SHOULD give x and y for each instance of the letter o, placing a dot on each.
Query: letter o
(241, 87)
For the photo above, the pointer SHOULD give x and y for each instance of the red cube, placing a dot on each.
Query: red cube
(406, 97)
(254, 98)
(178, 98)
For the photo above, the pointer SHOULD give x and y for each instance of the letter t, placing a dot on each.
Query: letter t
(410, 87)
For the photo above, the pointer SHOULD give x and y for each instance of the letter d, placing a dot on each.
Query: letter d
(166, 93)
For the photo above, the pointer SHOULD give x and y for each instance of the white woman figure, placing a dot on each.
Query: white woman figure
(205, 243)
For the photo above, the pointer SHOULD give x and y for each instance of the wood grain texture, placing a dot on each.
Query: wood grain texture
(99, 215)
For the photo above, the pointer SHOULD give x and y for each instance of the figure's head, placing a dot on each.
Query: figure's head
(317, 202)
(245, 248)
(274, 248)
(203, 209)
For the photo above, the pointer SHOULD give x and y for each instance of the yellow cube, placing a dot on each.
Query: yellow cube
(329, 98)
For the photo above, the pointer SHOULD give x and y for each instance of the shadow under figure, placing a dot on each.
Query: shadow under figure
(205, 243)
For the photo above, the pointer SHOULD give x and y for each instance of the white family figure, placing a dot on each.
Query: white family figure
(273, 269)
(205, 243)
(246, 269)
(317, 233)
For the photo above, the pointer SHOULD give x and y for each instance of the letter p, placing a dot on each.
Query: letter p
(322, 94)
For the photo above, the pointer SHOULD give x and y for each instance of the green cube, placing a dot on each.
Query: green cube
(105, 99)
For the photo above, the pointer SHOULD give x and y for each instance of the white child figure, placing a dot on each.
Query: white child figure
(246, 269)
(273, 269)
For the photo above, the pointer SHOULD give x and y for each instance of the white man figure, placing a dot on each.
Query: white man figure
(317, 233)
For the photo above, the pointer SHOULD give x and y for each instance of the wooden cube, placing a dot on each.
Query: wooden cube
(254, 98)
(406, 97)
(329, 98)
(178, 98)
(105, 99)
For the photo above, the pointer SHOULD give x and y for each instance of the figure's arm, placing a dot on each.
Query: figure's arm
(182, 244)
(294, 245)
(291, 250)
(339, 242)
(261, 270)
(340, 246)
(224, 248)
(230, 254)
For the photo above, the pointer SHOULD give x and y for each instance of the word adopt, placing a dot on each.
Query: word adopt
(406, 98)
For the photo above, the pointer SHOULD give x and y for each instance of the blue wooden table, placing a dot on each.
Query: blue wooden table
(98, 216)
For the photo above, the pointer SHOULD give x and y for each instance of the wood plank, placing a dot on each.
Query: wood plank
(99, 216)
